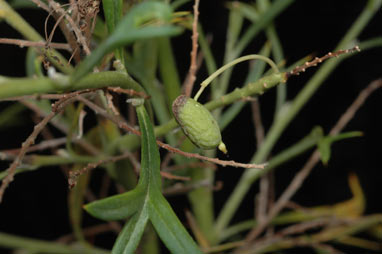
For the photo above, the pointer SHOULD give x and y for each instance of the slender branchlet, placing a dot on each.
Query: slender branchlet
(193, 65)
(317, 60)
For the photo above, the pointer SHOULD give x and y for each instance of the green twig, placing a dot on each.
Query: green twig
(12, 87)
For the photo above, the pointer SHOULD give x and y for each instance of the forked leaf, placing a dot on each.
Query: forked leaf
(145, 20)
(117, 207)
(145, 202)
(163, 218)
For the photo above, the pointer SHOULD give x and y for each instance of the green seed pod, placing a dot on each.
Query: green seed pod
(197, 123)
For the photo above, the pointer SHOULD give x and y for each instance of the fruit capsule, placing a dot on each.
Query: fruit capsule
(197, 123)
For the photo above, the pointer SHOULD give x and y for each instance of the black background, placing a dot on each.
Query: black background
(35, 203)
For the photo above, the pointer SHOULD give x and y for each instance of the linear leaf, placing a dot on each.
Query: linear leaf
(163, 218)
(112, 10)
(169, 228)
(131, 234)
(150, 161)
(117, 207)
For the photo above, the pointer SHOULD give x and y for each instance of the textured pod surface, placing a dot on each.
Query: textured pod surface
(196, 122)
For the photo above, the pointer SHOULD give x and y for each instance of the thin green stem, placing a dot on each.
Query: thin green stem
(11, 87)
(208, 80)
(50, 160)
(256, 70)
(371, 43)
(278, 54)
(249, 176)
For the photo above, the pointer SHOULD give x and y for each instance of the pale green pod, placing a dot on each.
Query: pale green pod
(197, 123)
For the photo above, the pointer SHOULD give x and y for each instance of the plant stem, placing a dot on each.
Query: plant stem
(278, 54)
(11, 87)
(250, 176)
(208, 80)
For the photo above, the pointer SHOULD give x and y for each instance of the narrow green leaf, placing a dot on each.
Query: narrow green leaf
(163, 218)
(150, 160)
(145, 20)
(169, 228)
(131, 234)
(112, 10)
(150, 179)
(168, 70)
(117, 207)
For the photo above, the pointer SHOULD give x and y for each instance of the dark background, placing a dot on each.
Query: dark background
(35, 203)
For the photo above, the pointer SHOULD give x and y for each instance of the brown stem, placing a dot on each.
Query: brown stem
(25, 43)
(193, 66)
(317, 60)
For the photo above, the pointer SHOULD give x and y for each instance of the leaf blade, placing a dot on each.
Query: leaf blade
(169, 228)
(116, 207)
(131, 234)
